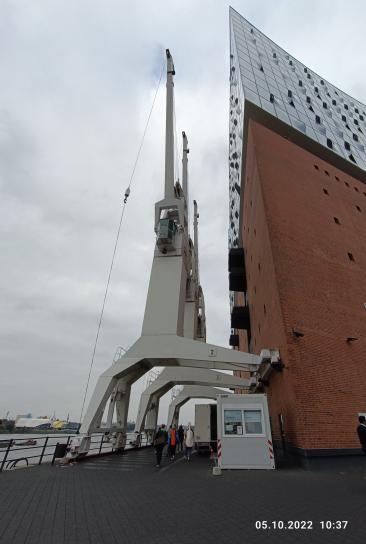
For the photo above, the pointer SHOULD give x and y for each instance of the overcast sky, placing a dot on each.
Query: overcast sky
(77, 83)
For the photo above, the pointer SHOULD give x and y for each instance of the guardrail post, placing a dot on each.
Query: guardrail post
(6, 454)
(43, 450)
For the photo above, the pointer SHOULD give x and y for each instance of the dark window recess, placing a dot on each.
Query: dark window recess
(351, 257)
(359, 209)
(337, 178)
(274, 55)
(308, 76)
(235, 121)
(308, 99)
(334, 102)
(336, 220)
(359, 130)
(289, 93)
(236, 215)
(347, 146)
(232, 225)
(311, 109)
(271, 97)
(290, 62)
(264, 309)
(237, 280)
(355, 137)
(234, 340)
(356, 110)
(259, 267)
(321, 82)
(300, 83)
(316, 167)
(344, 118)
(325, 192)
(325, 105)
(240, 318)
(316, 89)
(317, 119)
(355, 121)
(347, 126)
(261, 69)
(305, 70)
(346, 184)
(345, 107)
(329, 95)
(355, 188)
(351, 157)
(361, 117)
(237, 187)
(329, 143)
(326, 172)
(236, 259)
(292, 103)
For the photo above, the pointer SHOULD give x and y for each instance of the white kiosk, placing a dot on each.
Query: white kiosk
(244, 437)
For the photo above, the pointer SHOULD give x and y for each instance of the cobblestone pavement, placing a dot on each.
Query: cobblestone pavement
(125, 499)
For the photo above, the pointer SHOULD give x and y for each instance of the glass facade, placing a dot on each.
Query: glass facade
(267, 76)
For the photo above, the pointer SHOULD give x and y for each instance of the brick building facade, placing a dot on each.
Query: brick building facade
(298, 239)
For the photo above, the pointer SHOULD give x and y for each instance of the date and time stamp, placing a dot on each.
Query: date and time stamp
(301, 525)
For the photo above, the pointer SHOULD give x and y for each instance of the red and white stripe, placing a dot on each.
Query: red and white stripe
(219, 452)
(270, 449)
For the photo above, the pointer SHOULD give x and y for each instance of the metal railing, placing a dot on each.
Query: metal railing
(35, 450)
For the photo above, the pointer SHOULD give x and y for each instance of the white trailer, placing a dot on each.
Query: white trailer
(205, 427)
(244, 438)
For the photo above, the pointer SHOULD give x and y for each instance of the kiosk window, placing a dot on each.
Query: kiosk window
(233, 422)
(253, 421)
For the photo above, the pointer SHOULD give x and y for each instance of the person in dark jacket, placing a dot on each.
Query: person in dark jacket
(361, 431)
(180, 438)
(159, 443)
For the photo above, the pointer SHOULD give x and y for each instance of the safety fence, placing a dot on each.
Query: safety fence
(35, 450)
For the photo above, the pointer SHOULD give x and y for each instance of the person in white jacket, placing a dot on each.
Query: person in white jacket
(189, 440)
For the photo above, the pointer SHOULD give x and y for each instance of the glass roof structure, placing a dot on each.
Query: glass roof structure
(263, 74)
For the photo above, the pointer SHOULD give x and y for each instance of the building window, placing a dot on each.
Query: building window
(337, 178)
(351, 257)
(326, 172)
(346, 184)
(259, 264)
(325, 192)
(355, 188)
(264, 309)
(233, 422)
(316, 167)
(336, 220)
(359, 209)
(253, 421)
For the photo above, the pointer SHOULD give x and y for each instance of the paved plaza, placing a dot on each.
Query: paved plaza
(125, 499)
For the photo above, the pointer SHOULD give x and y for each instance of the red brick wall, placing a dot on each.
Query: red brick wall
(300, 277)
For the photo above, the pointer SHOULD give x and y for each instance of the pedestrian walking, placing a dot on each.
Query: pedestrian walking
(189, 440)
(180, 438)
(361, 431)
(172, 441)
(159, 443)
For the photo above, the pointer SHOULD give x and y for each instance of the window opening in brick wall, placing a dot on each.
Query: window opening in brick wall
(346, 184)
(356, 189)
(259, 267)
(359, 209)
(264, 309)
(316, 167)
(325, 192)
(326, 172)
(337, 178)
(336, 220)
(351, 257)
